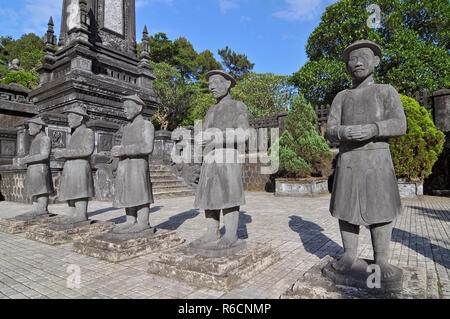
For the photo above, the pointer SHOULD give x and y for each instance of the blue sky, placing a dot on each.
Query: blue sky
(272, 33)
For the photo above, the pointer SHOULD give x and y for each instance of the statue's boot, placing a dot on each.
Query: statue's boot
(212, 229)
(77, 215)
(142, 221)
(381, 238)
(40, 208)
(349, 234)
(231, 221)
(123, 227)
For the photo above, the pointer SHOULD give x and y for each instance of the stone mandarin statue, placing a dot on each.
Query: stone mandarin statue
(38, 182)
(77, 184)
(365, 191)
(133, 189)
(220, 185)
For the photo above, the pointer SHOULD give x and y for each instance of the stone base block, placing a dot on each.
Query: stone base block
(54, 234)
(315, 285)
(223, 273)
(21, 224)
(119, 247)
(214, 252)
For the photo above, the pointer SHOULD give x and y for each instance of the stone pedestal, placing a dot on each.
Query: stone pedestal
(314, 285)
(119, 247)
(21, 224)
(223, 273)
(54, 234)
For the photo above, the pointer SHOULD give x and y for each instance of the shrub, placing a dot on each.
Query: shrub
(415, 153)
(27, 79)
(303, 152)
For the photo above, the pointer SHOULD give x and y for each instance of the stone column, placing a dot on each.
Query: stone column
(442, 110)
(162, 148)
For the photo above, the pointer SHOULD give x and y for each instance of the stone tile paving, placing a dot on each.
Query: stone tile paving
(301, 229)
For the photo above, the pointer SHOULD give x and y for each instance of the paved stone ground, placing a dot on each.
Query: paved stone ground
(300, 228)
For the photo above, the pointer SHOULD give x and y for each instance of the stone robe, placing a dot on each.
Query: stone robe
(77, 181)
(220, 185)
(365, 190)
(38, 180)
(133, 186)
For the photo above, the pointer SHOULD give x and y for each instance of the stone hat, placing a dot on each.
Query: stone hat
(362, 44)
(134, 98)
(77, 110)
(37, 120)
(222, 73)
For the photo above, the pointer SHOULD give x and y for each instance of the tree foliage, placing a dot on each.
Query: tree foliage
(414, 35)
(27, 79)
(303, 152)
(264, 93)
(415, 153)
(238, 65)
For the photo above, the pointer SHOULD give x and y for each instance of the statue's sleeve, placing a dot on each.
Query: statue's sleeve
(44, 155)
(334, 119)
(84, 150)
(394, 123)
(146, 146)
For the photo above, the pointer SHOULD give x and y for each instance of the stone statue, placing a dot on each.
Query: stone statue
(220, 185)
(15, 66)
(133, 189)
(77, 184)
(38, 181)
(365, 191)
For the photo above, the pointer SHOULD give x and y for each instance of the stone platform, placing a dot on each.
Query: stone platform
(315, 285)
(222, 273)
(54, 234)
(21, 224)
(119, 247)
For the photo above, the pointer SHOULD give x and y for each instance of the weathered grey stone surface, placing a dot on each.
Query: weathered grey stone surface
(21, 224)
(220, 184)
(119, 247)
(365, 190)
(314, 285)
(307, 187)
(223, 273)
(213, 251)
(58, 234)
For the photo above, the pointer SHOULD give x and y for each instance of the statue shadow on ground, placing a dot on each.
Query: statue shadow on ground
(419, 245)
(244, 219)
(176, 221)
(439, 214)
(123, 218)
(313, 239)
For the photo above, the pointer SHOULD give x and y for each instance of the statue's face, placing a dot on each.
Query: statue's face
(362, 62)
(131, 109)
(75, 120)
(219, 86)
(34, 128)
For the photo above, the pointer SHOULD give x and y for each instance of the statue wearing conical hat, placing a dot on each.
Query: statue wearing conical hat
(365, 191)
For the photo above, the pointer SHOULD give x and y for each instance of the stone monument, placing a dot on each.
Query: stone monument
(38, 182)
(133, 191)
(15, 66)
(213, 261)
(365, 191)
(77, 185)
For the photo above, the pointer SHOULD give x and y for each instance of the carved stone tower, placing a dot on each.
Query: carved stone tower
(95, 64)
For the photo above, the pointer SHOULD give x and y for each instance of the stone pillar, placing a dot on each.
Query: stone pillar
(282, 122)
(162, 149)
(442, 110)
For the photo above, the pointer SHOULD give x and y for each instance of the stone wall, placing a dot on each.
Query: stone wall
(254, 181)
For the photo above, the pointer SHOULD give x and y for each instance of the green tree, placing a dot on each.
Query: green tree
(27, 79)
(29, 49)
(414, 35)
(415, 153)
(206, 62)
(264, 93)
(303, 152)
(174, 95)
(238, 65)
(162, 49)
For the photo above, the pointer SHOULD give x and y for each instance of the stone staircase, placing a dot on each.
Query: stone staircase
(165, 184)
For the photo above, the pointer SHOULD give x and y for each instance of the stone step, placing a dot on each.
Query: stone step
(173, 194)
(159, 168)
(159, 179)
(158, 188)
(160, 184)
(160, 174)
